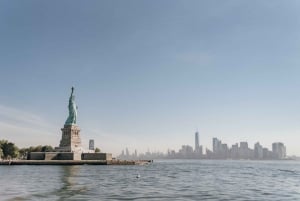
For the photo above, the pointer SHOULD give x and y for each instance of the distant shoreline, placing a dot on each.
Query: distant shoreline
(75, 162)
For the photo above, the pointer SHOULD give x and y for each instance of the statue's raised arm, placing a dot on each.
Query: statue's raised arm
(72, 109)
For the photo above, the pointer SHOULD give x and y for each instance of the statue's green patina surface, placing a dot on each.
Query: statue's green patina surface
(72, 110)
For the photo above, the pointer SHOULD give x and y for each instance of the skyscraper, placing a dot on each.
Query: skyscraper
(258, 151)
(197, 146)
(91, 144)
(244, 150)
(216, 145)
(279, 150)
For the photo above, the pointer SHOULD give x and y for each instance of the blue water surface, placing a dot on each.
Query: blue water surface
(162, 180)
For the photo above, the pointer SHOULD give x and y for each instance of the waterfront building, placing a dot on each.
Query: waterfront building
(279, 150)
(258, 151)
(244, 150)
(220, 150)
(197, 146)
(234, 152)
(217, 144)
(267, 154)
(200, 152)
(186, 151)
(127, 152)
(135, 153)
(209, 153)
(224, 151)
(91, 144)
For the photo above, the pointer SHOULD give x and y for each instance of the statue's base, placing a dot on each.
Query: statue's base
(54, 156)
(68, 156)
(70, 140)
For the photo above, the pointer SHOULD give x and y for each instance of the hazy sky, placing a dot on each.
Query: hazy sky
(147, 74)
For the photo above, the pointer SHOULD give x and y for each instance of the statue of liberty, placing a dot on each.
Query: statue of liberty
(72, 110)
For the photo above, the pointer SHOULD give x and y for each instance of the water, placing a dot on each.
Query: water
(162, 180)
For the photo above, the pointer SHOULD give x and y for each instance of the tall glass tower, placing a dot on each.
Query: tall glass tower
(197, 146)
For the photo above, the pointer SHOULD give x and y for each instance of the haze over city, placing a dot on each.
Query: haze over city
(147, 76)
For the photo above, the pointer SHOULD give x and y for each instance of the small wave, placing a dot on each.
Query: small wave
(289, 171)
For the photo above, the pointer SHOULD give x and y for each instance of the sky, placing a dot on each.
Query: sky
(148, 74)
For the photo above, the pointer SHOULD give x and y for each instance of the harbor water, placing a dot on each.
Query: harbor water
(161, 180)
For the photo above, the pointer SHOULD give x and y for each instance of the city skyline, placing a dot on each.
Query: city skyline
(147, 75)
(219, 150)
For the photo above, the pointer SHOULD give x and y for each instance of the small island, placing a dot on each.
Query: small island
(70, 150)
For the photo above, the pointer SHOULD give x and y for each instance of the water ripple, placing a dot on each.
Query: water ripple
(163, 180)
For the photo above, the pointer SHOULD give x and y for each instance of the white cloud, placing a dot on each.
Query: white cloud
(25, 128)
(20, 116)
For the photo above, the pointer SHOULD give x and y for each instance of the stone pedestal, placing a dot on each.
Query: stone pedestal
(70, 140)
(48, 156)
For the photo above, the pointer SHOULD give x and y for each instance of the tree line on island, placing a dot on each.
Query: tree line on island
(8, 150)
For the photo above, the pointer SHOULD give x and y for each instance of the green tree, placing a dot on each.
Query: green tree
(47, 148)
(97, 150)
(37, 148)
(1, 153)
(9, 149)
(3, 141)
(23, 153)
